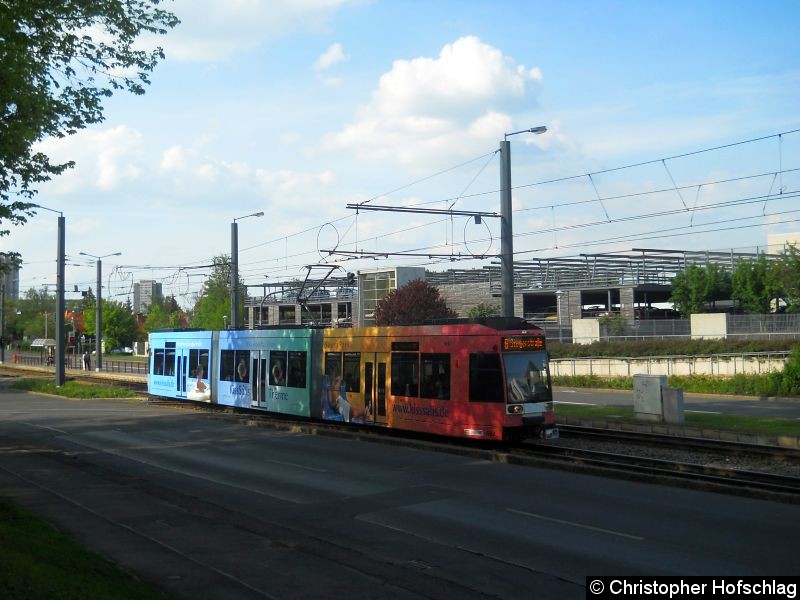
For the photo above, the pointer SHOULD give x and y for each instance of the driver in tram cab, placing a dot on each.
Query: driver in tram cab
(536, 384)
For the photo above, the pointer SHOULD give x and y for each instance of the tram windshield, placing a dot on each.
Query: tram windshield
(527, 377)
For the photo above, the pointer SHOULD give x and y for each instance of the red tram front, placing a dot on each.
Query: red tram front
(485, 379)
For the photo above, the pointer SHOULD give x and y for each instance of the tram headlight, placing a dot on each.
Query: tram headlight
(515, 409)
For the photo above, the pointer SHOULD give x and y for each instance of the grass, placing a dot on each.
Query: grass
(734, 423)
(771, 384)
(72, 389)
(39, 562)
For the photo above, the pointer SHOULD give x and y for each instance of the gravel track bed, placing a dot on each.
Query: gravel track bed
(759, 464)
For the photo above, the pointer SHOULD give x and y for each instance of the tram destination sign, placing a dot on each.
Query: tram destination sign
(523, 343)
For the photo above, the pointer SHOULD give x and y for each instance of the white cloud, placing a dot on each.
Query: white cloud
(213, 31)
(104, 158)
(330, 57)
(450, 105)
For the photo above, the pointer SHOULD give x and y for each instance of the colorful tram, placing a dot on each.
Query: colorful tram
(483, 378)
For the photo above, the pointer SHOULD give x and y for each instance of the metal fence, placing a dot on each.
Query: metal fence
(651, 329)
(764, 325)
(76, 362)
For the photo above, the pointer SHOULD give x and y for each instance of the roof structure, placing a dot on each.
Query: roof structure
(634, 268)
(639, 266)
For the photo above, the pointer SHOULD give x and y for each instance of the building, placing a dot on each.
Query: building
(375, 284)
(777, 242)
(551, 292)
(335, 301)
(144, 292)
(9, 279)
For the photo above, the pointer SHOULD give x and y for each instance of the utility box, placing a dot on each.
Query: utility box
(647, 396)
(654, 401)
(672, 404)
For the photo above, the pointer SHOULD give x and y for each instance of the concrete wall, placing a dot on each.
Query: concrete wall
(719, 366)
(463, 298)
(711, 326)
(585, 331)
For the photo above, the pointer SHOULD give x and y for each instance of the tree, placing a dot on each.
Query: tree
(36, 307)
(755, 284)
(693, 288)
(484, 310)
(787, 272)
(214, 301)
(59, 59)
(119, 324)
(415, 302)
(164, 314)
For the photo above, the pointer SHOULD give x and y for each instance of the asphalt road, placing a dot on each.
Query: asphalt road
(209, 506)
(701, 403)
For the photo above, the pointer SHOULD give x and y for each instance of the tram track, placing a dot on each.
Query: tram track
(731, 448)
(734, 481)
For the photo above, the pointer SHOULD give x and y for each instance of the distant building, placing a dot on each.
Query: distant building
(9, 281)
(144, 292)
(777, 242)
(374, 285)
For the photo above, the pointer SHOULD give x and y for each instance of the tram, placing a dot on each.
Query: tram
(472, 378)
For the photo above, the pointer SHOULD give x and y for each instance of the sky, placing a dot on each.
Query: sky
(670, 125)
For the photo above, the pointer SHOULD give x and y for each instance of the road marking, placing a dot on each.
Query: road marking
(707, 412)
(573, 524)
(44, 427)
(576, 403)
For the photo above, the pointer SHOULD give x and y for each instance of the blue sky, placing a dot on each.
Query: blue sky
(299, 108)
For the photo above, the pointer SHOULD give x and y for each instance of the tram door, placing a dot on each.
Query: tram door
(258, 373)
(180, 368)
(375, 380)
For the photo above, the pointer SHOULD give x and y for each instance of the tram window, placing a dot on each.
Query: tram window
(198, 358)
(436, 376)
(485, 378)
(333, 364)
(158, 362)
(296, 376)
(169, 363)
(277, 367)
(227, 365)
(405, 374)
(351, 372)
(242, 361)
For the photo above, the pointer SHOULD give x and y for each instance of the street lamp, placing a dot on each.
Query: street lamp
(98, 314)
(2, 322)
(559, 294)
(235, 268)
(506, 230)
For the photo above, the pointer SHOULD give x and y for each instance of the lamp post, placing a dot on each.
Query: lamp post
(235, 268)
(2, 322)
(98, 313)
(60, 260)
(506, 230)
(559, 294)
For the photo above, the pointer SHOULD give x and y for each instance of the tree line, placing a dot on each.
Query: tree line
(759, 285)
(33, 315)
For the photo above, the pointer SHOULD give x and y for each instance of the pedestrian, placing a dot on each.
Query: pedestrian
(87, 361)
